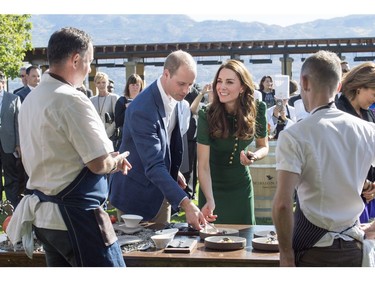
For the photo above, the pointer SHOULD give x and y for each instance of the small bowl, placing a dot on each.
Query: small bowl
(171, 231)
(162, 240)
(131, 221)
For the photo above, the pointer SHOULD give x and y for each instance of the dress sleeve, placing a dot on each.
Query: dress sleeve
(203, 136)
(261, 120)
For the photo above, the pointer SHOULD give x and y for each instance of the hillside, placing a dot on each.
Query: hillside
(133, 29)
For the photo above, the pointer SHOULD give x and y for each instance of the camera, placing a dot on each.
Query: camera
(279, 104)
(108, 118)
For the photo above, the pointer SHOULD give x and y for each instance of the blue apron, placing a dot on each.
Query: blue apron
(90, 230)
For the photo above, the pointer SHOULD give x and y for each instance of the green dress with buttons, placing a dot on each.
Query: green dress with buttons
(231, 182)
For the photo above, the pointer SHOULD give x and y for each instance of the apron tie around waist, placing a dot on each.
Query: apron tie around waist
(91, 233)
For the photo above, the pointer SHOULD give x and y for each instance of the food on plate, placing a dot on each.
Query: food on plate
(226, 240)
(272, 240)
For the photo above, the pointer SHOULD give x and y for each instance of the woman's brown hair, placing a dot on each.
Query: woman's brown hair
(361, 76)
(245, 115)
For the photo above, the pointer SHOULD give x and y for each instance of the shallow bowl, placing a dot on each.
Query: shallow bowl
(220, 232)
(265, 244)
(225, 243)
(170, 231)
(131, 220)
(161, 241)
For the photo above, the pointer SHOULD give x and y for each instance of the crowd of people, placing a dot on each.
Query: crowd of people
(146, 151)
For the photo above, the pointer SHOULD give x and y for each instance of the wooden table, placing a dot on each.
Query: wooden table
(199, 257)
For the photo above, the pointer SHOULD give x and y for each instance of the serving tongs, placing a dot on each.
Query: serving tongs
(212, 226)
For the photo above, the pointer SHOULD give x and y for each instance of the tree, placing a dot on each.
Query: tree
(15, 41)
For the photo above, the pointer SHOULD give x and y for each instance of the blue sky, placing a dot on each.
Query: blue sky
(281, 12)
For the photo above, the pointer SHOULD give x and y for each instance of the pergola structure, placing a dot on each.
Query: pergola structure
(136, 56)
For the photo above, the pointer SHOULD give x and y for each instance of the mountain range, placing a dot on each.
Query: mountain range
(153, 28)
(140, 29)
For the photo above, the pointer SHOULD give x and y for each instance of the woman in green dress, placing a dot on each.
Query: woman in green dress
(226, 127)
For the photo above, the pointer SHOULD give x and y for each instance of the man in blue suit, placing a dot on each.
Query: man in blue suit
(151, 134)
(9, 142)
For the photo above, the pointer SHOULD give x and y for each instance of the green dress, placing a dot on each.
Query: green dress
(231, 182)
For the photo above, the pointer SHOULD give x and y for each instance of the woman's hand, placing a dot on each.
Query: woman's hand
(208, 211)
(247, 158)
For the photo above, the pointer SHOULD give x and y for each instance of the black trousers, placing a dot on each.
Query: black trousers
(341, 254)
(10, 173)
(191, 175)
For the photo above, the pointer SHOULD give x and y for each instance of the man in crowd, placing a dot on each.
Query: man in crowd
(23, 79)
(33, 74)
(152, 135)
(9, 142)
(66, 153)
(324, 158)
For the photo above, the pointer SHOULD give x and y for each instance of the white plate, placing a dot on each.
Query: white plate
(127, 230)
(263, 233)
(262, 243)
(217, 242)
(128, 239)
(168, 231)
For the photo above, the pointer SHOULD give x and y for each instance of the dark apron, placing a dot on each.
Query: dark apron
(90, 230)
(306, 234)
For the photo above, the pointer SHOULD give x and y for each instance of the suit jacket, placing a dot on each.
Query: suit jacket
(9, 137)
(23, 93)
(18, 89)
(155, 164)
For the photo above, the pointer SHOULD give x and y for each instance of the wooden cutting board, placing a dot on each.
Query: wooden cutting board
(181, 246)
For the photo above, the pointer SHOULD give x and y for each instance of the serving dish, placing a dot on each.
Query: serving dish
(161, 241)
(169, 231)
(208, 232)
(225, 243)
(269, 244)
(265, 233)
(127, 230)
(131, 220)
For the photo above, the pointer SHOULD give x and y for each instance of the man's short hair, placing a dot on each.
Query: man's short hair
(32, 67)
(65, 42)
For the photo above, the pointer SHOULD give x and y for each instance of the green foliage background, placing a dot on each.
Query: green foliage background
(15, 41)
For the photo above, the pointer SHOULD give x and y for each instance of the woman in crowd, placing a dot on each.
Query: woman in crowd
(105, 102)
(225, 129)
(267, 90)
(358, 94)
(134, 85)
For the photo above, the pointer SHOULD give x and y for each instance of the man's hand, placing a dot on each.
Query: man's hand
(181, 180)
(194, 216)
